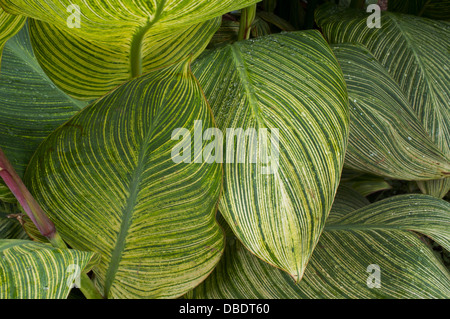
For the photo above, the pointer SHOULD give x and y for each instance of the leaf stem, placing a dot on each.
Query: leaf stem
(25, 199)
(39, 218)
(247, 17)
(136, 59)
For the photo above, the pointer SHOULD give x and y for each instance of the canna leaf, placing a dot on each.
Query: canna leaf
(434, 9)
(277, 198)
(31, 106)
(367, 184)
(354, 238)
(88, 69)
(415, 53)
(107, 21)
(31, 270)
(386, 137)
(9, 26)
(91, 47)
(108, 181)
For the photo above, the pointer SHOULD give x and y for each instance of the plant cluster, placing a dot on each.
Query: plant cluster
(224, 149)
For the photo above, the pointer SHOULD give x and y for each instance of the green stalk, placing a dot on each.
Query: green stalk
(247, 17)
(137, 41)
(39, 218)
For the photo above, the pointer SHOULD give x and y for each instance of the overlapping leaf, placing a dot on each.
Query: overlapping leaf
(117, 40)
(31, 270)
(291, 83)
(227, 33)
(10, 227)
(9, 26)
(415, 53)
(108, 181)
(87, 69)
(367, 184)
(435, 9)
(386, 137)
(353, 239)
(107, 21)
(31, 106)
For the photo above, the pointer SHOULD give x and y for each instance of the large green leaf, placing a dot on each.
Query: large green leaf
(9, 26)
(292, 83)
(10, 228)
(353, 239)
(107, 21)
(87, 69)
(31, 270)
(31, 106)
(108, 181)
(118, 40)
(435, 9)
(415, 53)
(386, 137)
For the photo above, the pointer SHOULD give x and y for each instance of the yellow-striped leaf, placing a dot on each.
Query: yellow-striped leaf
(10, 227)
(108, 181)
(9, 26)
(358, 240)
(107, 21)
(386, 137)
(277, 201)
(31, 106)
(414, 51)
(91, 47)
(31, 270)
(87, 69)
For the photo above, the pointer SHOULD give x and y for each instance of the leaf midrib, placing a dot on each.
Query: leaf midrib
(246, 82)
(426, 76)
(137, 40)
(128, 211)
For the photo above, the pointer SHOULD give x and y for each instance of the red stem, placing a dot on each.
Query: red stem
(26, 200)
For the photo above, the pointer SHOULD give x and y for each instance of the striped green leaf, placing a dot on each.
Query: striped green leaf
(367, 184)
(415, 53)
(9, 26)
(87, 69)
(347, 199)
(292, 83)
(260, 28)
(407, 6)
(356, 235)
(227, 33)
(107, 21)
(31, 106)
(438, 188)
(10, 227)
(31, 270)
(117, 40)
(386, 137)
(434, 9)
(108, 181)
